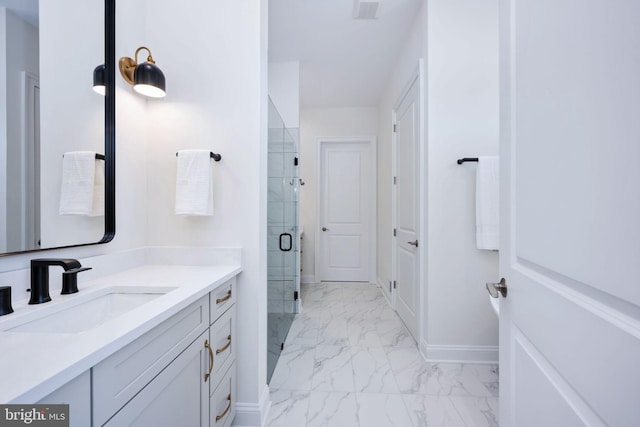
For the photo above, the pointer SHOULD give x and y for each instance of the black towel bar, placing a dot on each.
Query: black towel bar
(467, 159)
(98, 156)
(215, 156)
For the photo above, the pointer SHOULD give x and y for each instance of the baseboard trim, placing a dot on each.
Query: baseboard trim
(459, 353)
(383, 289)
(253, 414)
(307, 278)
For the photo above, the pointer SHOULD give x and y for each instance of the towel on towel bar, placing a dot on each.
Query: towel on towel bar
(487, 202)
(194, 189)
(82, 191)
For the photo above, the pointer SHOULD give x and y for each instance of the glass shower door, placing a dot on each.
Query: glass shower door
(282, 239)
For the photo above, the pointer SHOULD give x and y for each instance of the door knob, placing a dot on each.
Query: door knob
(495, 288)
(413, 243)
(325, 229)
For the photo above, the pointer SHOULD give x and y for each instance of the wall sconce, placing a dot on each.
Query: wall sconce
(146, 78)
(98, 80)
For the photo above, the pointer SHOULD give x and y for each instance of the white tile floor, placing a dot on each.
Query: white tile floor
(349, 361)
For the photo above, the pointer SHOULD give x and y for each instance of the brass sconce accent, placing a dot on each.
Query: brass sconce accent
(146, 78)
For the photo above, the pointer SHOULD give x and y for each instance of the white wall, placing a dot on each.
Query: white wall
(458, 39)
(315, 123)
(284, 90)
(462, 121)
(213, 55)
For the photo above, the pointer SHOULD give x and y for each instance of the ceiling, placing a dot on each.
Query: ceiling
(344, 62)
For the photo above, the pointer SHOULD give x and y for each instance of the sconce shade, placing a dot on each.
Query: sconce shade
(99, 79)
(148, 80)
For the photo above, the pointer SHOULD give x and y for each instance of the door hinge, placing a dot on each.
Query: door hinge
(295, 161)
(295, 295)
(395, 285)
(395, 127)
(281, 346)
(389, 285)
(394, 232)
(395, 179)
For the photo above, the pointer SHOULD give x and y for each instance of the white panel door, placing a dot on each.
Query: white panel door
(570, 213)
(346, 190)
(407, 134)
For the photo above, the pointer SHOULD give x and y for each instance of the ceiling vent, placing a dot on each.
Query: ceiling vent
(366, 9)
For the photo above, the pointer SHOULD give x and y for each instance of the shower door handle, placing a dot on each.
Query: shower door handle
(282, 247)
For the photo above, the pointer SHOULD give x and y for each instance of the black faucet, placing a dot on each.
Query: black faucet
(40, 277)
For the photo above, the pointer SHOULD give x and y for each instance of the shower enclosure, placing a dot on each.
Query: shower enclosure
(283, 263)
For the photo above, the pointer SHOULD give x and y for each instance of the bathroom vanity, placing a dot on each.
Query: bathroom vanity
(164, 354)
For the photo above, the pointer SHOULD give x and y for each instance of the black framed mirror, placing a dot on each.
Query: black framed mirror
(51, 110)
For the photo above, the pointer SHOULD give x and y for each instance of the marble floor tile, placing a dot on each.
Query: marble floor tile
(332, 409)
(288, 408)
(456, 379)
(333, 332)
(372, 371)
(394, 333)
(349, 361)
(294, 368)
(382, 410)
(410, 370)
(477, 411)
(432, 411)
(332, 369)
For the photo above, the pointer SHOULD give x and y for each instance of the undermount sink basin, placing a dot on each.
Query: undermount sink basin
(88, 312)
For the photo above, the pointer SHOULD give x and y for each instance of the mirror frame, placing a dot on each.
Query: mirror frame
(109, 133)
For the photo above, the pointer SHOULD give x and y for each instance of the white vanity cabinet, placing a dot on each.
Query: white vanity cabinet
(176, 374)
(77, 394)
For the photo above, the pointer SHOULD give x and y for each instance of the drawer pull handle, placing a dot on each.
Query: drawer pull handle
(226, 346)
(223, 299)
(208, 347)
(221, 416)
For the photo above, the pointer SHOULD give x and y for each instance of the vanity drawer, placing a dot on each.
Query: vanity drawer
(120, 377)
(222, 403)
(222, 336)
(222, 298)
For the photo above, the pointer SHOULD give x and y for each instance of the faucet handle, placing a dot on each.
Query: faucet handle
(70, 280)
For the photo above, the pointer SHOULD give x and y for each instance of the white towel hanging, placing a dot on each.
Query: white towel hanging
(194, 187)
(82, 191)
(487, 202)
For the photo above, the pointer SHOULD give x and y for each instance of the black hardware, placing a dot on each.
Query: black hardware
(281, 346)
(295, 295)
(395, 284)
(467, 159)
(215, 156)
(394, 232)
(295, 161)
(70, 280)
(290, 242)
(5, 300)
(40, 276)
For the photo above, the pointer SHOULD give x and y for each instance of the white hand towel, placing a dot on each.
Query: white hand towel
(487, 202)
(82, 191)
(194, 189)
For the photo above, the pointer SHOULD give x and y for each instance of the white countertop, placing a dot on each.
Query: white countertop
(32, 365)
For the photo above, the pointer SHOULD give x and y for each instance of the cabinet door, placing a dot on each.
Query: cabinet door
(178, 396)
(77, 394)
